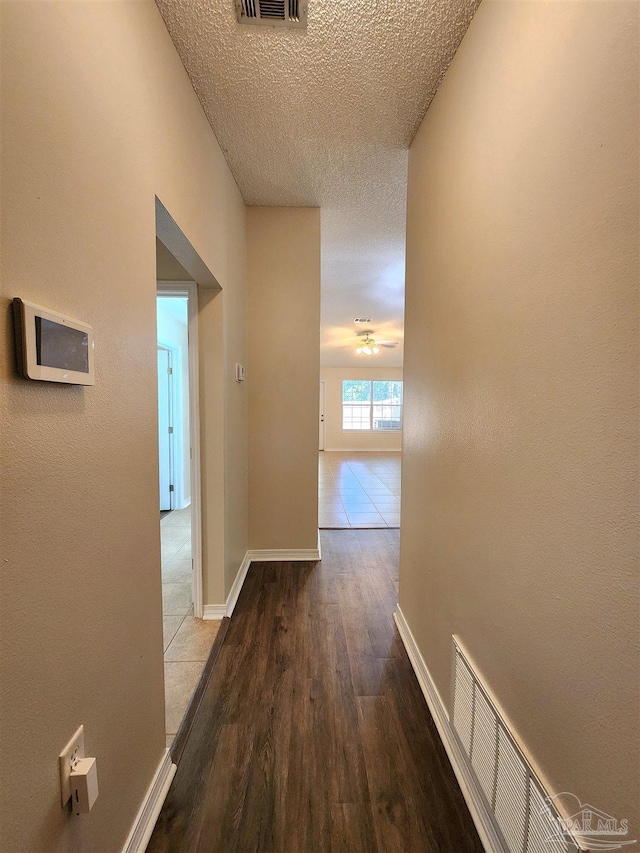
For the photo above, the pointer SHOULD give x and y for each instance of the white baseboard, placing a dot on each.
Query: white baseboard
(269, 555)
(214, 611)
(363, 449)
(234, 592)
(470, 791)
(219, 611)
(285, 555)
(150, 809)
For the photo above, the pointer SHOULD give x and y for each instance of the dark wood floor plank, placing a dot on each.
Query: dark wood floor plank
(352, 828)
(335, 711)
(398, 823)
(382, 552)
(223, 800)
(312, 734)
(368, 600)
(430, 768)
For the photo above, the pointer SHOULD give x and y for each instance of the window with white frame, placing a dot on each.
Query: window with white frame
(371, 404)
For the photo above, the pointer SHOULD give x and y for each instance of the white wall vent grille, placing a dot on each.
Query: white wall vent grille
(513, 793)
(273, 13)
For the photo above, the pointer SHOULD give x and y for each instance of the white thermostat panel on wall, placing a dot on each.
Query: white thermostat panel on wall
(52, 347)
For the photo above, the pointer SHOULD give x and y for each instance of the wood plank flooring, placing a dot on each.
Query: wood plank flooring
(313, 734)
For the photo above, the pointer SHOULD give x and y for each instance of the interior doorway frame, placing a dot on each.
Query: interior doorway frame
(189, 289)
(212, 404)
(171, 400)
(323, 415)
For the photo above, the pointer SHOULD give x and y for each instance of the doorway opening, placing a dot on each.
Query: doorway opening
(187, 638)
(192, 536)
(359, 467)
(175, 455)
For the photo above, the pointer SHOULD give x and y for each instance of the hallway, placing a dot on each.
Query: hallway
(313, 734)
(359, 489)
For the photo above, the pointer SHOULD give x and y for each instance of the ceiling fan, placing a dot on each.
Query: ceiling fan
(370, 345)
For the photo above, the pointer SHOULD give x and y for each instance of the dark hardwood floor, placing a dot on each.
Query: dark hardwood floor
(313, 734)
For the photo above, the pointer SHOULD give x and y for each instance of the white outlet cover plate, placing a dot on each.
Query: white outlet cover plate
(75, 745)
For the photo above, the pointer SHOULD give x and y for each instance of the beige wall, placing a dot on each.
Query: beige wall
(283, 372)
(335, 437)
(98, 117)
(519, 489)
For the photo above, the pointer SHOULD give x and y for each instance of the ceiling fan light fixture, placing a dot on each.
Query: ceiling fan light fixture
(367, 346)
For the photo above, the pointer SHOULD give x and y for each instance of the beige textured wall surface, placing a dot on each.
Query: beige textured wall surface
(519, 486)
(283, 287)
(98, 116)
(335, 437)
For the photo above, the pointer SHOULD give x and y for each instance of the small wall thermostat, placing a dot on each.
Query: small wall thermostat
(239, 372)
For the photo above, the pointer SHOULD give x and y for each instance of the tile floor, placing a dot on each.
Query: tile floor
(359, 489)
(187, 641)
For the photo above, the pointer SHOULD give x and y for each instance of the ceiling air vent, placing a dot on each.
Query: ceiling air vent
(273, 13)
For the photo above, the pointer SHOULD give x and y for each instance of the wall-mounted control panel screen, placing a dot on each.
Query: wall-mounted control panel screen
(52, 347)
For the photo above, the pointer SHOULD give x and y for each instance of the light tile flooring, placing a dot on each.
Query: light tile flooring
(187, 641)
(359, 489)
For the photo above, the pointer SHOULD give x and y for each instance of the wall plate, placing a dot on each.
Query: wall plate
(72, 751)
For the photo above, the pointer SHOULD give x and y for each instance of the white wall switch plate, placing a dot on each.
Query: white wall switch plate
(72, 752)
(239, 372)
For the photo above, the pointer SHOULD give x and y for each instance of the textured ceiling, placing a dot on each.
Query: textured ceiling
(324, 117)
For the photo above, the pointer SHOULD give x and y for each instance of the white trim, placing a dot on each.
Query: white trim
(269, 555)
(364, 449)
(471, 793)
(292, 555)
(323, 414)
(234, 592)
(147, 816)
(190, 290)
(214, 612)
(176, 438)
(219, 611)
(194, 435)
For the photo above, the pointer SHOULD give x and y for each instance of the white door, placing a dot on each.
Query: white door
(321, 447)
(164, 428)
